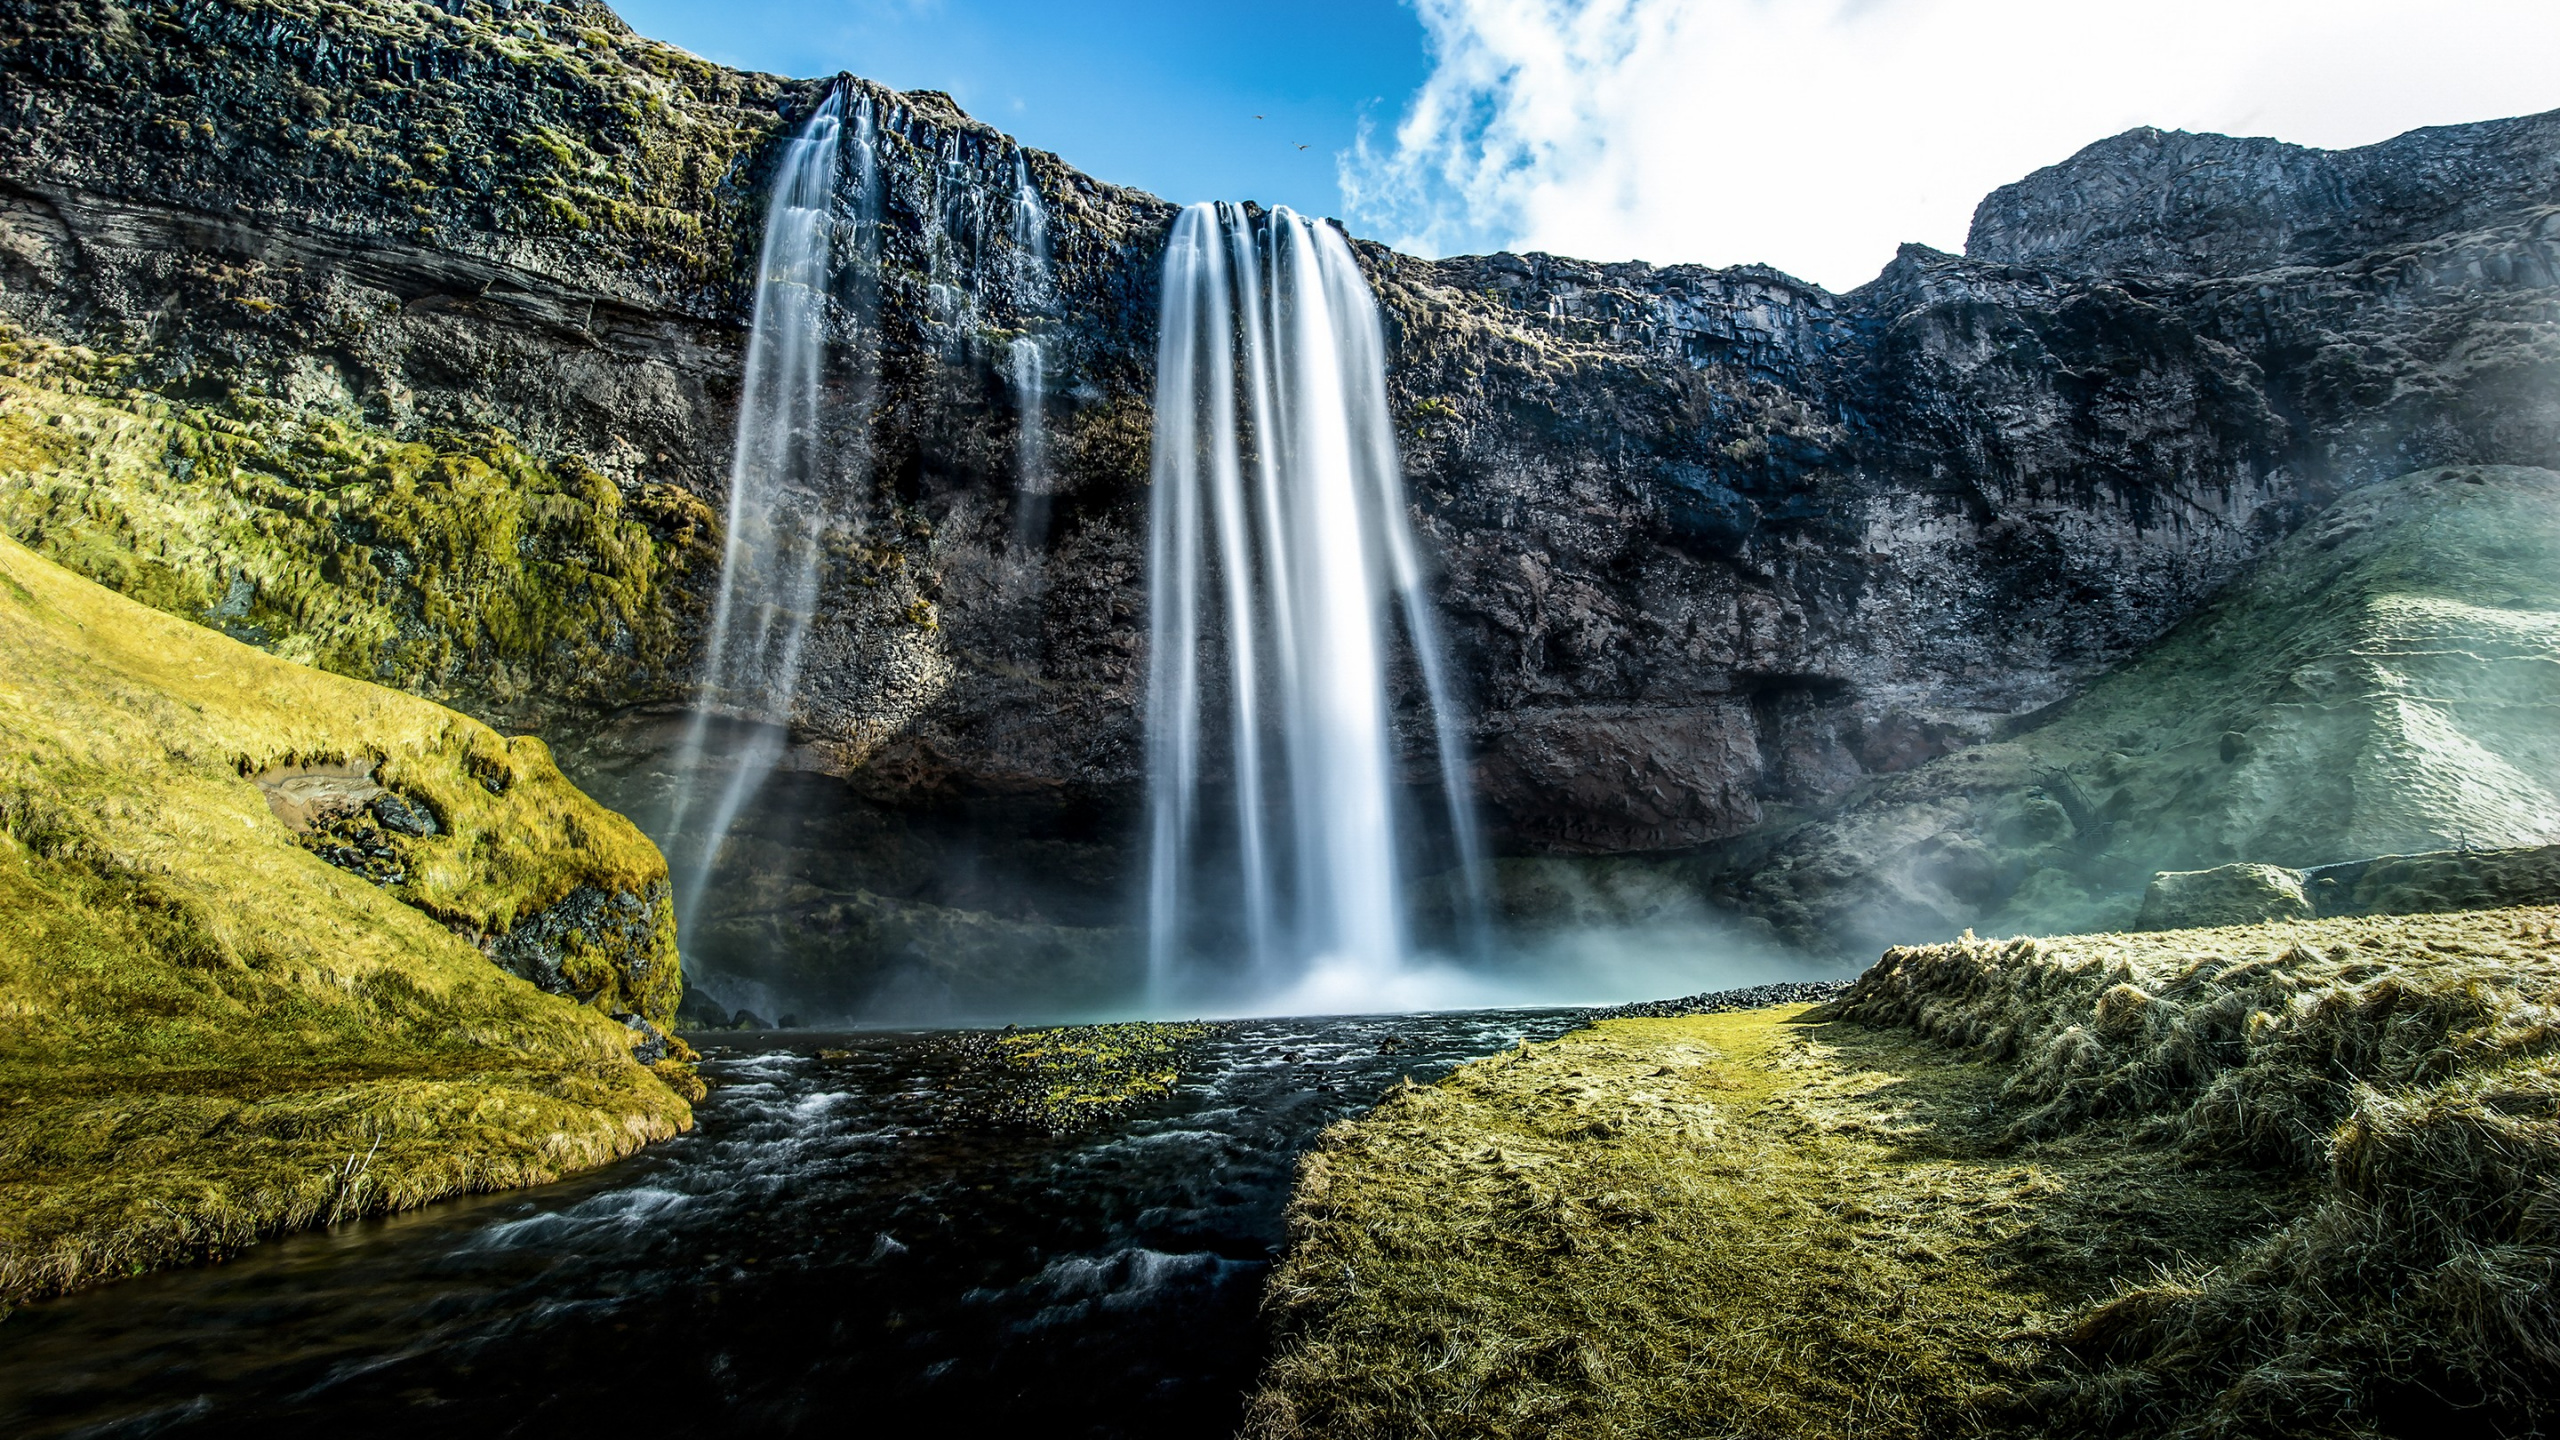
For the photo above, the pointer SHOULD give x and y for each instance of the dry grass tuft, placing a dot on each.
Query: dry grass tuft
(2274, 1180)
(207, 1033)
(2410, 1065)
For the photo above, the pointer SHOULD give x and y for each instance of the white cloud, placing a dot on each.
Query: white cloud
(1815, 135)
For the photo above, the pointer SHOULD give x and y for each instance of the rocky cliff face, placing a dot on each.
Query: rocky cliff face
(1717, 547)
(2167, 203)
(2377, 684)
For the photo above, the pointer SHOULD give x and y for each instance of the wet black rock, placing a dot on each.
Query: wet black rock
(351, 839)
(1718, 1002)
(649, 1043)
(403, 816)
(590, 943)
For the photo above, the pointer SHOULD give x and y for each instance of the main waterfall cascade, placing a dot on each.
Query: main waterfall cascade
(781, 488)
(1279, 556)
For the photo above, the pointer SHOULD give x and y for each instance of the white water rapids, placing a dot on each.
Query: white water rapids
(1280, 560)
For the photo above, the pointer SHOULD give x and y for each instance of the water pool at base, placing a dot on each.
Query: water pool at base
(825, 1255)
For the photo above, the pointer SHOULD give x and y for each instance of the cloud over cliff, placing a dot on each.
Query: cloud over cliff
(1815, 135)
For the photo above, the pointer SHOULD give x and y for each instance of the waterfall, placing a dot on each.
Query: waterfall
(778, 508)
(1029, 231)
(1030, 227)
(1280, 557)
(1030, 442)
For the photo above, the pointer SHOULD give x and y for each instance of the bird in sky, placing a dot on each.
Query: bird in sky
(1302, 147)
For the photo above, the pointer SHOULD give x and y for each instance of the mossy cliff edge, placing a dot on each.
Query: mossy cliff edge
(453, 564)
(2283, 1180)
(2384, 681)
(257, 925)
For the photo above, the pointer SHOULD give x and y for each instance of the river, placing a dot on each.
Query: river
(825, 1254)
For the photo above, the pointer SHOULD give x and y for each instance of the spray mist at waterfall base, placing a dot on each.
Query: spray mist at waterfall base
(1612, 954)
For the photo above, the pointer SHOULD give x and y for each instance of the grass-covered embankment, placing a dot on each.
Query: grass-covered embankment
(207, 1031)
(2278, 1180)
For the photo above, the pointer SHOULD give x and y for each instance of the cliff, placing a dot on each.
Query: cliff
(2377, 684)
(1717, 548)
(257, 929)
(2168, 203)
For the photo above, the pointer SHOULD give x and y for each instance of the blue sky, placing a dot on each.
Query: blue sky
(1147, 93)
(1813, 135)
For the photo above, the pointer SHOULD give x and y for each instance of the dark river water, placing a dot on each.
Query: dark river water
(821, 1256)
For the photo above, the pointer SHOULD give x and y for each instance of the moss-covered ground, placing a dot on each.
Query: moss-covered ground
(2277, 1180)
(207, 1032)
(1069, 1077)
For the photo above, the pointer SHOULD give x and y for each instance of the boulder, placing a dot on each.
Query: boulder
(2223, 895)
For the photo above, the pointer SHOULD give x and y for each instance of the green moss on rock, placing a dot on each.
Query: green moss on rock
(553, 125)
(1073, 1076)
(209, 1032)
(456, 566)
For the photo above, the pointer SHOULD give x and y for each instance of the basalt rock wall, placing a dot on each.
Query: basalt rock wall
(1716, 548)
(2166, 202)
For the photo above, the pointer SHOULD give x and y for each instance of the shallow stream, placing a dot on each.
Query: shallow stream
(823, 1255)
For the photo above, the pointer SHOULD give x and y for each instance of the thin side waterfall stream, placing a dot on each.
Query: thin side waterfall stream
(1028, 369)
(780, 503)
(1281, 559)
(1027, 364)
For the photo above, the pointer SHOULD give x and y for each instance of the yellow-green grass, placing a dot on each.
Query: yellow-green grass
(206, 1032)
(1071, 1076)
(2278, 1180)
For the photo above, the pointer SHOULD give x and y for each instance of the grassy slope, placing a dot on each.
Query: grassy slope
(2385, 681)
(206, 1033)
(2263, 1181)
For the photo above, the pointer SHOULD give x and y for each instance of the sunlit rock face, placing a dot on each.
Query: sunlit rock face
(2168, 203)
(1733, 545)
(1714, 548)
